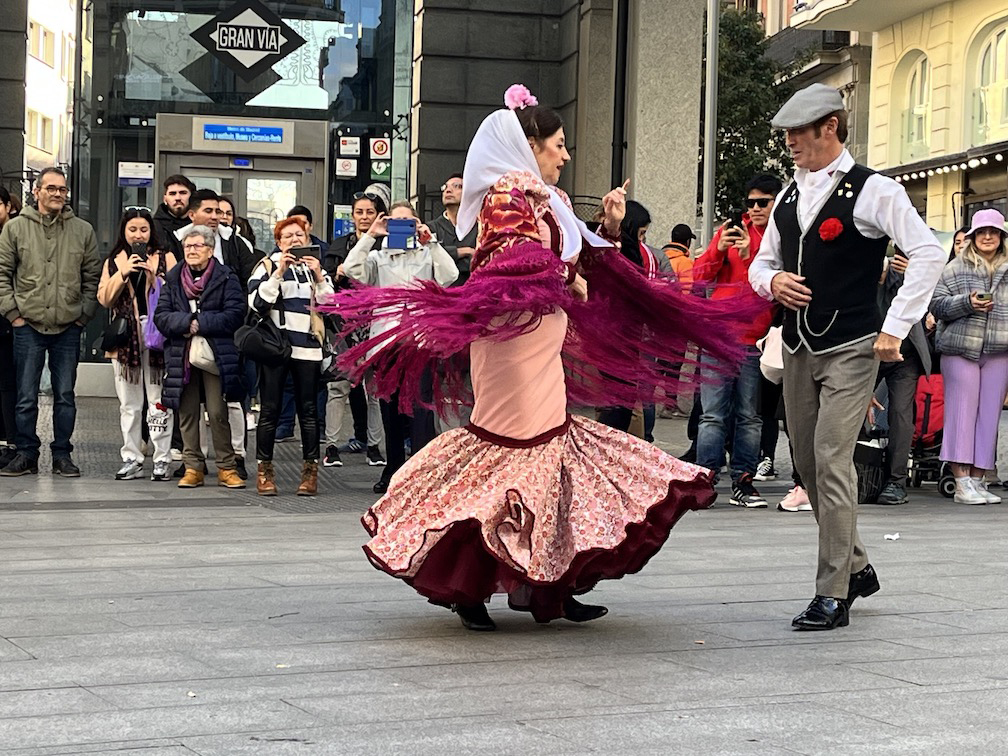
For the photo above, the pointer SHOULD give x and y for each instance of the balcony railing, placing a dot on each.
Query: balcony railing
(787, 44)
(915, 131)
(990, 113)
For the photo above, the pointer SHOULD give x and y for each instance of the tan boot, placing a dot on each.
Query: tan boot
(309, 479)
(229, 479)
(266, 480)
(191, 479)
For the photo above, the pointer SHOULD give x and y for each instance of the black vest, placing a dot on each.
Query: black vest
(842, 273)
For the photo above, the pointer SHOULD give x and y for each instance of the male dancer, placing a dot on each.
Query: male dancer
(821, 258)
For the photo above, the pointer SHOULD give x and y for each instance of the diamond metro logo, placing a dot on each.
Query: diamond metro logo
(248, 38)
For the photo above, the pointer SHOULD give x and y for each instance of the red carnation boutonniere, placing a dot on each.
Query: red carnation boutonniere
(830, 229)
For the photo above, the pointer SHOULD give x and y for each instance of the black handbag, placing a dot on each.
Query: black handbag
(262, 341)
(115, 335)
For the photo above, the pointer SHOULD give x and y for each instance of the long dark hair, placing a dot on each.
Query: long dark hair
(154, 245)
(952, 252)
(539, 122)
(635, 219)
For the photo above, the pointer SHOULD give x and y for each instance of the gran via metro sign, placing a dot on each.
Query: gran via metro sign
(248, 38)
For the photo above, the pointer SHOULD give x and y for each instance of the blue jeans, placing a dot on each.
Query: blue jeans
(30, 349)
(722, 400)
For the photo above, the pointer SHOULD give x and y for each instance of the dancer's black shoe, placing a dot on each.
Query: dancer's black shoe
(575, 611)
(474, 617)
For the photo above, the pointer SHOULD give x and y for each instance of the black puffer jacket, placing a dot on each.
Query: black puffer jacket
(221, 312)
(167, 224)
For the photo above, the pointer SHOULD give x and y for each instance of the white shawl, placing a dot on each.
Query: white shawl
(499, 147)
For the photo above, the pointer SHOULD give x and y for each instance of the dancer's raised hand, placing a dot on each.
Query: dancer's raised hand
(614, 205)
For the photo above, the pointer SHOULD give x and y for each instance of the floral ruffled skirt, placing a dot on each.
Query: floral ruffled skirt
(473, 514)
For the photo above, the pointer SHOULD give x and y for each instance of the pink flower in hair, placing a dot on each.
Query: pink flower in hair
(518, 96)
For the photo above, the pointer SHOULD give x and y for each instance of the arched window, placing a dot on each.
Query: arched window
(919, 102)
(913, 78)
(991, 96)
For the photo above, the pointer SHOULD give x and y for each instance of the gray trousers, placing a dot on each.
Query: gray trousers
(826, 397)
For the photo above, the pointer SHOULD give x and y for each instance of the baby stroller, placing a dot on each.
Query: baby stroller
(925, 465)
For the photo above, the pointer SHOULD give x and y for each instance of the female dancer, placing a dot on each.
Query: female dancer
(527, 499)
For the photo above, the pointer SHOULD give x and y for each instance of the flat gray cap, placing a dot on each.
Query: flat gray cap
(807, 106)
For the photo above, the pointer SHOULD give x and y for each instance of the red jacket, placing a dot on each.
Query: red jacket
(730, 275)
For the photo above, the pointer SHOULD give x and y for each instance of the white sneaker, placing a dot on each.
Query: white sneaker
(130, 470)
(981, 486)
(796, 501)
(160, 471)
(966, 492)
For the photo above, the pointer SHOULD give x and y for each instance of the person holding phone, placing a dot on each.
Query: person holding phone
(133, 268)
(286, 287)
(408, 252)
(901, 377)
(733, 402)
(971, 306)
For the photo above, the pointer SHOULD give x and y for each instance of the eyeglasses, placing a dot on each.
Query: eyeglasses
(53, 189)
(194, 247)
(761, 201)
(452, 185)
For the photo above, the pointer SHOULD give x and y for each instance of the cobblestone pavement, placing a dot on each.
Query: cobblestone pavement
(137, 619)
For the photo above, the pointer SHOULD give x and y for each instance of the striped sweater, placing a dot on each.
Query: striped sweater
(299, 292)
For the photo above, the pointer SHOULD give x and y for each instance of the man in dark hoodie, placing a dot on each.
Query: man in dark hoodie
(173, 212)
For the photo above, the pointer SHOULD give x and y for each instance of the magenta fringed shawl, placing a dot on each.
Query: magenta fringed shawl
(619, 343)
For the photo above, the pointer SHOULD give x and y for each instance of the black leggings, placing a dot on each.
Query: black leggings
(306, 379)
(769, 401)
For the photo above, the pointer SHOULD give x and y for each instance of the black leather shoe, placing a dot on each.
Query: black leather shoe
(240, 468)
(824, 613)
(893, 494)
(64, 466)
(862, 584)
(7, 456)
(20, 465)
(575, 611)
(381, 486)
(474, 617)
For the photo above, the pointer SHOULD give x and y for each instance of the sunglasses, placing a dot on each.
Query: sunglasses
(761, 202)
(368, 195)
(136, 208)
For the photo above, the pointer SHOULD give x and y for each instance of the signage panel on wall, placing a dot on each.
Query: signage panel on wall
(242, 135)
(136, 174)
(349, 146)
(223, 132)
(381, 148)
(381, 170)
(248, 38)
(346, 167)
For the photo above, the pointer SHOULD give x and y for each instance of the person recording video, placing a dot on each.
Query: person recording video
(409, 252)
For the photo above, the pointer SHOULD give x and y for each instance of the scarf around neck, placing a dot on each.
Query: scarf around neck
(193, 287)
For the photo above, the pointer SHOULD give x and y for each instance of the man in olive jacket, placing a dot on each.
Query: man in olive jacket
(49, 271)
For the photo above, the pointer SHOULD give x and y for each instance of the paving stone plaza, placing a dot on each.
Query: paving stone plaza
(139, 619)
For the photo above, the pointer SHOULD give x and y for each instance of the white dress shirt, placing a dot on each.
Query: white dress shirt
(882, 209)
